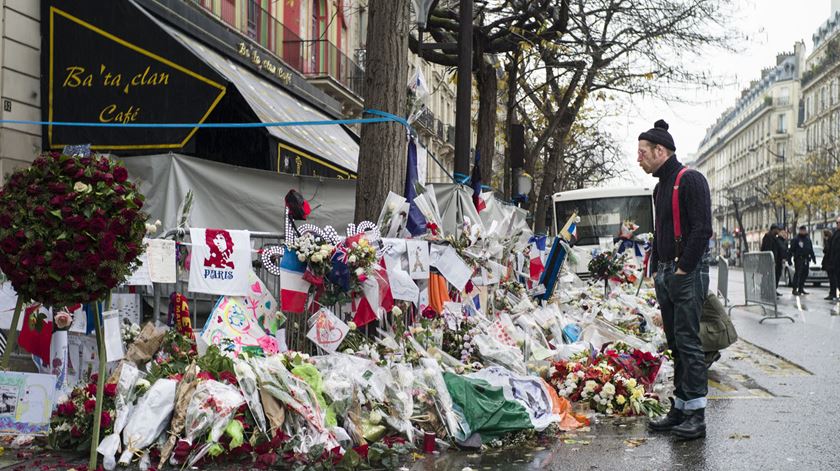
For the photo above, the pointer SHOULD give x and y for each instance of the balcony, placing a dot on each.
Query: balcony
(319, 61)
(325, 66)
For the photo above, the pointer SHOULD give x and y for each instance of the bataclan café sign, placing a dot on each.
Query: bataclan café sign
(113, 64)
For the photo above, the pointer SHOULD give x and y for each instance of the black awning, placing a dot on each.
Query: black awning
(108, 62)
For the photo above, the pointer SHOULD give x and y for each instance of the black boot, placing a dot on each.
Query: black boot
(671, 420)
(693, 427)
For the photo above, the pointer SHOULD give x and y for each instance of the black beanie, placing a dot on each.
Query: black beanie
(659, 135)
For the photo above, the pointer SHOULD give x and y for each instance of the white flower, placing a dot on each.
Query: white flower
(396, 311)
(551, 371)
(360, 271)
(631, 383)
(317, 258)
(351, 325)
(301, 257)
(580, 374)
(609, 388)
(351, 259)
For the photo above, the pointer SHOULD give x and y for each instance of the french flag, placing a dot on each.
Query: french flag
(294, 290)
(537, 265)
(376, 299)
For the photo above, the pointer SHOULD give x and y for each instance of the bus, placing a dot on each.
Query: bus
(601, 212)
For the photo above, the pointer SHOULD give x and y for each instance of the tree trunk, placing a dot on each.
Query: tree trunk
(510, 111)
(566, 118)
(488, 87)
(382, 147)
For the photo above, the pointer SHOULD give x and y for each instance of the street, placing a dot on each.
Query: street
(771, 405)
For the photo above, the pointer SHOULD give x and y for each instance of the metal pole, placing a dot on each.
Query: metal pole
(463, 103)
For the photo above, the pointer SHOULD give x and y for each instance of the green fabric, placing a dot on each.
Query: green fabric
(312, 377)
(716, 329)
(485, 408)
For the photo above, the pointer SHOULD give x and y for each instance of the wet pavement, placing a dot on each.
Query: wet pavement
(773, 405)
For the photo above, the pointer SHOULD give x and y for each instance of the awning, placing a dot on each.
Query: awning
(326, 145)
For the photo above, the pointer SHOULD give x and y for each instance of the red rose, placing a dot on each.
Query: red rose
(119, 189)
(111, 389)
(56, 201)
(120, 174)
(63, 246)
(61, 267)
(5, 220)
(92, 259)
(182, 450)
(79, 174)
(39, 210)
(108, 178)
(90, 404)
(362, 451)
(229, 377)
(103, 273)
(103, 164)
(70, 169)
(97, 224)
(9, 245)
(267, 459)
(85, 161)
(75, 432)
(91, 389)
(81, 244)
(76, 222)
(205, 375)
(33, 190)
(138, 202)
(106, 244)
(106, 419)
(40, 162)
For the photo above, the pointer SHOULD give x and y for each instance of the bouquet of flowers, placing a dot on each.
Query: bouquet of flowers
(70, 228)
(603, 385)
(605, 266)
(72, 421)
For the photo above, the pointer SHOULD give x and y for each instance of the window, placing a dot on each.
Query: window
(254, 19)
(781, 128)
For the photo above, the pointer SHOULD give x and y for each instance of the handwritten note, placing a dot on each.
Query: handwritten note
(113, 336)
(161, 257)
(451, 266)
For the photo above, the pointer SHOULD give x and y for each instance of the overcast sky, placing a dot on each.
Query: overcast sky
(771, 26)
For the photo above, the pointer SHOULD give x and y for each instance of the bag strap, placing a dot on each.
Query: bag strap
(675, 207)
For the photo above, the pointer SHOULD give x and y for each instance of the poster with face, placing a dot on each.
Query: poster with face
(220, 262)
(327, 331)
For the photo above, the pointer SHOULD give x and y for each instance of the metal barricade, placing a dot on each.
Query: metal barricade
(201, 305)
(723, 280)
(760, 284)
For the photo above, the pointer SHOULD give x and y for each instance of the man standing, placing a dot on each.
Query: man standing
(770, 243)
(802, 251)
(681, 274)
(831, 260)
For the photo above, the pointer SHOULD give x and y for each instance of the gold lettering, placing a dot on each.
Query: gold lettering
(142, 79)
(109, 114)
(74, 77)
(243, 49)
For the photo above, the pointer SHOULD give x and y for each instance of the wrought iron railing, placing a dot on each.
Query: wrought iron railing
(316, 58)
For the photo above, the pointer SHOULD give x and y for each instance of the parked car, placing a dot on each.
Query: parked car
(816, 274)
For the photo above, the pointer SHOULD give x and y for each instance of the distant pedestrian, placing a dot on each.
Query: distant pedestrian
(770, 243)
(681, 266)
(802, 251)
(831, 260)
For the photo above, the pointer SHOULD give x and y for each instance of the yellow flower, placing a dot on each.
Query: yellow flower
(638, 393)
(80, 187)
(620, 400)
(363, 242)
(631, 383)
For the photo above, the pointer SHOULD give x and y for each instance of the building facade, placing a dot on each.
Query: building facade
(184, 61)
(744, 155)
(821, 98)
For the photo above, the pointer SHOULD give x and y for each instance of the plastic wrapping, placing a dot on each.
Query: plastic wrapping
(211, 407)
(431, 376)
(108, 447)
(496, 352)
(149, 419)
(247, 380)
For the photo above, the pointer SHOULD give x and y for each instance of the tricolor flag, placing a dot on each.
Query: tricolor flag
(294, 290)
(537, 264)
(376, 298)
(569, 231)
(475, 183)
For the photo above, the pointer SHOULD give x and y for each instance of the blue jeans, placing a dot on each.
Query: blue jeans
(681, 299)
